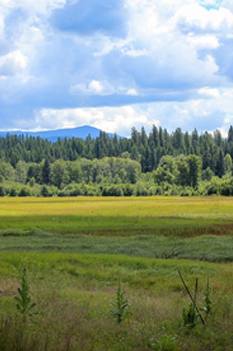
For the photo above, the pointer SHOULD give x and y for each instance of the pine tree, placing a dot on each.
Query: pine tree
(220, 164)
(46, 170)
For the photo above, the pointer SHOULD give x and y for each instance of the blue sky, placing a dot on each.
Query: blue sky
(116, 64)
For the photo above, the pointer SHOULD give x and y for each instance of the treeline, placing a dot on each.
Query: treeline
(155, 164)
(146, 149)
(111, 176)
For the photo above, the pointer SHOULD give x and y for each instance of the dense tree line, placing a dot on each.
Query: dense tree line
(146, 149)
(159, 163)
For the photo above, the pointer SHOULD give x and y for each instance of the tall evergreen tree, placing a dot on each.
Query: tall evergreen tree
(220, 164)
(46, 170)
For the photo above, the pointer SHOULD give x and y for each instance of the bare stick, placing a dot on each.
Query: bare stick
(196, 288)
(192, 299)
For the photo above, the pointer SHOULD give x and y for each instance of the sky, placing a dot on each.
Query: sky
(115, 64)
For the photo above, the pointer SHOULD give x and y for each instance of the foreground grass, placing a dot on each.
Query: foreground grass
(74, 295)
(76, 250)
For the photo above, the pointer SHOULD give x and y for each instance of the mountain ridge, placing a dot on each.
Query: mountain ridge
(81, 132)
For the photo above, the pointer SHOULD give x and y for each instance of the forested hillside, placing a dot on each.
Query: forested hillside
(158, 163)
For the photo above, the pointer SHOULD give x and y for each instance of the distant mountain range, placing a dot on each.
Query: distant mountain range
(52, 135)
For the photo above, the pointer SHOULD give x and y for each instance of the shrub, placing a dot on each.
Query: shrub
(141, 189)
(24, 192)
(113, 190)
(93, 190)
(128, 190)
(2, 191)
(13, 192)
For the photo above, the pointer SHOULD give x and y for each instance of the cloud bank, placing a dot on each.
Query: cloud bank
(116, 64)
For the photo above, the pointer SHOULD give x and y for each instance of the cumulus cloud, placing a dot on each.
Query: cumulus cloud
(227, 4)
(110, 119)
(197, 18)
(203, 42)
(12, 63)
(171, 60)
(210, 111)
(212, 93)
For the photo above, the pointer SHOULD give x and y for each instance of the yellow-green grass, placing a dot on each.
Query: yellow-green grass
(207, 207)
(119, 216)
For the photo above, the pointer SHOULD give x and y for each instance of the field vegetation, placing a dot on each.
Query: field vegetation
(87, 258)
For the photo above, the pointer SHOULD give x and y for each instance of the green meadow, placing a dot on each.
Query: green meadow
(78, 253)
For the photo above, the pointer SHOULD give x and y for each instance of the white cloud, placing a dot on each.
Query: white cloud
(12, 63)
(203, 114)
(203, 42)
(207, 92)
(212, 110)
(134, 52)
(196, 17)
(1, 26)
(32, 6)
(30, 39)
(109, 119)
(173, 49)
(132, 92)
(227, 4)
(94, 87)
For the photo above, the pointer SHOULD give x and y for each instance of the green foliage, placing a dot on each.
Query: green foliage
(195, 166)
(7, 172)
(177, 158)
(59, 174)
(207, 174)
(113, 190)
(21, 172)
(177, 164)
(227, 164)
(190, 317)
(207, 301)
(2, 191)
(23, 302)
(121, 306)
(32, 182)
(46, 172)
(24, 191)
(192, 314)
(165, 343)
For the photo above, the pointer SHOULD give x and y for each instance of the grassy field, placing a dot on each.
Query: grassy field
(119, 216)
(181, 207)
(76, 250)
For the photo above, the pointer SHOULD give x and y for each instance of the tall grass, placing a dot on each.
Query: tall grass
(74, 305)
(76, 249)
